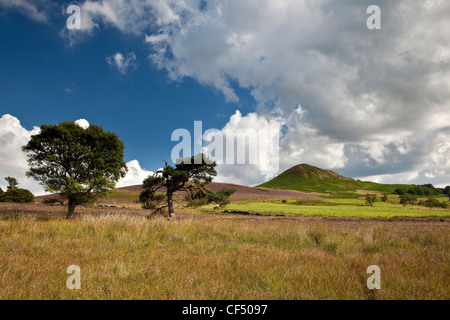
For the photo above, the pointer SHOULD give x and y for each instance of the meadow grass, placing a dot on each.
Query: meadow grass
(131, 257)
(339, 208)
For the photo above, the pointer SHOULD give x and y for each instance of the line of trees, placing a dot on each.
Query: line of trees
(422, 190)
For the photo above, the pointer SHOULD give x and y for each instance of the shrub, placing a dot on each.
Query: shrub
(221, 197)
(384, 198)
(283, 201)
(53, 201)
(18, 196)
(370, 199)
(406, 198)
(399, 191)
(443, 205)
(431, 203)
(196, 203)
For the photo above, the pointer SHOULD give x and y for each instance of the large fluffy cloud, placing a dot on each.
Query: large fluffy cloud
(135, 175)
(362, 101)
(13, 161)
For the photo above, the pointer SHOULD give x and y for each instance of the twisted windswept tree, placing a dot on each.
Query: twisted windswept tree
(79, 164)
(190, 175)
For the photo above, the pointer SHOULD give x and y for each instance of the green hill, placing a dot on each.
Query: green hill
(308, 178)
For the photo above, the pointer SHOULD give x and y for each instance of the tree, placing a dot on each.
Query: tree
(370, 199)
(431, 203)
(14, 193)
(399, 191)
(79, 164)
(406, 198)
(221, 197)
(18, 196)
(385, 197)
(190, 175)
(447, 190)
(12, 183)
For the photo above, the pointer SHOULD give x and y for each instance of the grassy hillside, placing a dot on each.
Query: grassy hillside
(308, 178)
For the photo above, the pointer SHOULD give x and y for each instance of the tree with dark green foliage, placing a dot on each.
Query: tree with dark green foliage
(18, 196)
(431, 202)
(221, 197)
(190, 175)
(15, 194)
(370, 199)
(407, 198)
(399, 191)
(384, 198)
(79, 164)
(447, 190)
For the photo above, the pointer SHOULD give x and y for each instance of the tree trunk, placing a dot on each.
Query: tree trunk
(170, 205)
(71, 209)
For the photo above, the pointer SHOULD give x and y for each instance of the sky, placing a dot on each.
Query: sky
(369, 104)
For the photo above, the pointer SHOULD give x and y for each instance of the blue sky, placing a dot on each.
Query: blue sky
(369, 104)
(45, 81)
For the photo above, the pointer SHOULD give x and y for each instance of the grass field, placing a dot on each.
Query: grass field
(339, 208)
(124, 256)
(319, 249)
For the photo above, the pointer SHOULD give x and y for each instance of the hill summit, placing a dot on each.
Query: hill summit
(312, 172)
(304, 177)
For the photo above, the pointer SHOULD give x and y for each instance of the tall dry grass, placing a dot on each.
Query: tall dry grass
(130, 257)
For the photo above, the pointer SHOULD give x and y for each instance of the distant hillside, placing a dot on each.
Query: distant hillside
(308, 178)
(243, 193)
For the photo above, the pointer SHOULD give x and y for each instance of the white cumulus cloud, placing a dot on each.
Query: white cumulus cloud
(13, 161)
(135, 175)
(82, 123)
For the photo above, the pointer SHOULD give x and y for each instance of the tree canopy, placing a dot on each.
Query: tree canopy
(79, 164)
(12, 182)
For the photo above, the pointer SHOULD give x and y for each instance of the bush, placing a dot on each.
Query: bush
(431, 203)
(283, 201)
(399, 191)
(53, 201)
(196, 203)
(1, 194)
(370, 199)
(384, 198)
(221, 197)
(18, 196)
(443, 205)
(406, 198)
